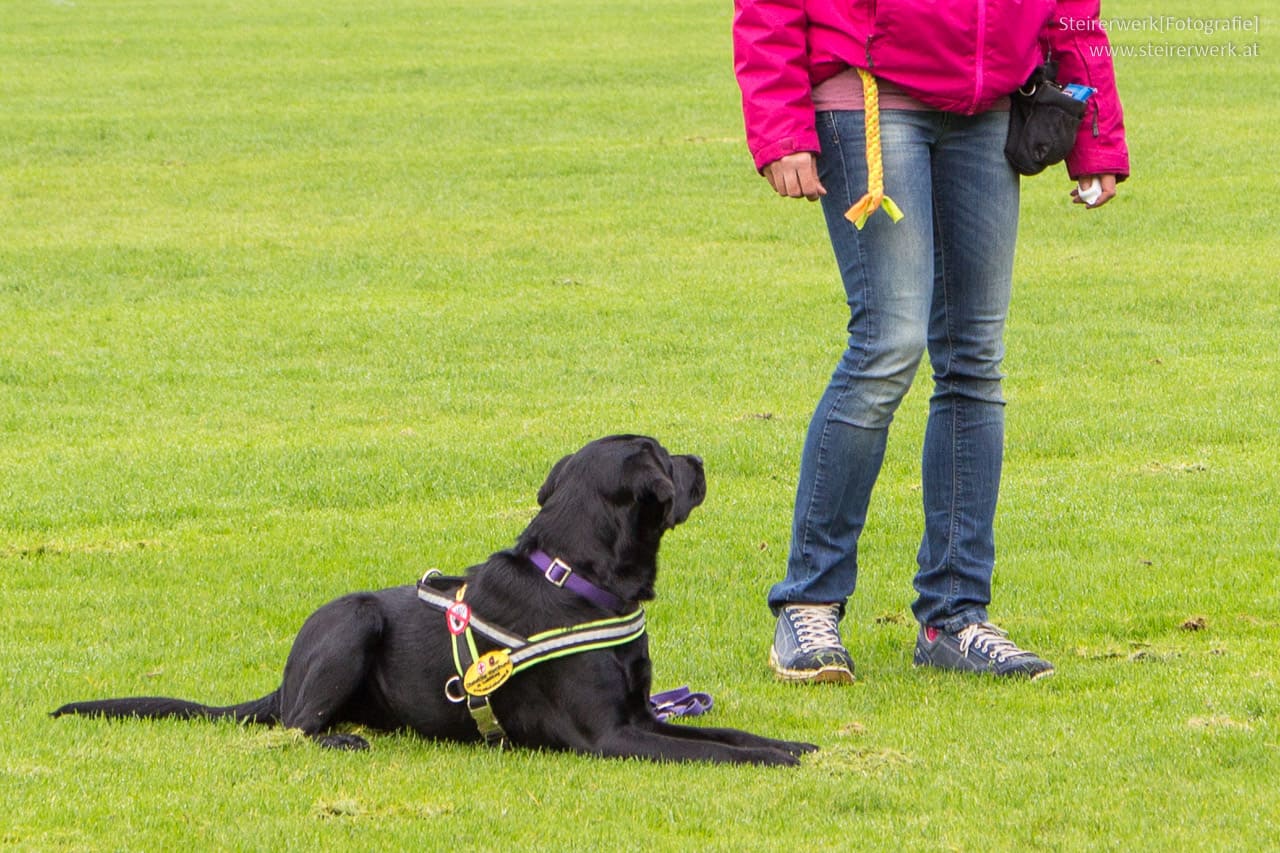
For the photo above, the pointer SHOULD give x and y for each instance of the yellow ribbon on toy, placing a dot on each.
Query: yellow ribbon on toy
(875, 197)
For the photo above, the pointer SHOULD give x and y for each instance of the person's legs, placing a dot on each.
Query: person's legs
(887, 270)
(976, 225)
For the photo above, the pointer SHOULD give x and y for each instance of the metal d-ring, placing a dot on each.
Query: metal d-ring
(453, 690)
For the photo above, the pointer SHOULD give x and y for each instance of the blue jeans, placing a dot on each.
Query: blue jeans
(937, 280)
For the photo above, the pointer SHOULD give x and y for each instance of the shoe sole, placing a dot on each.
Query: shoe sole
(825, 675)
(1044, 673)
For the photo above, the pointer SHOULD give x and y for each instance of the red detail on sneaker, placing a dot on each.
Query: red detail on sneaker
(930, 634)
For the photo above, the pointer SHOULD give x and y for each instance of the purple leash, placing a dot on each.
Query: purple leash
(680, 702)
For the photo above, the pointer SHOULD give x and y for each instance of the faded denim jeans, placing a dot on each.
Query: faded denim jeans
(937, 281)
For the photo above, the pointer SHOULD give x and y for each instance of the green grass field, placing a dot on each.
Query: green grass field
(303, 298)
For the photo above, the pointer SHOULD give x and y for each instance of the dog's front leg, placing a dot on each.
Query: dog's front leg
(634, 741)
(733, 737)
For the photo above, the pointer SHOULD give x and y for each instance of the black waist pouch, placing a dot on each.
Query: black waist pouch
(1043, 121)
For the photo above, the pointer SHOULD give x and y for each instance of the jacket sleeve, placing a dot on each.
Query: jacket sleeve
(1078, 43)
(770, 59)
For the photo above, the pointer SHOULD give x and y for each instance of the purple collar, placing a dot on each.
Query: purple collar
(558, 572)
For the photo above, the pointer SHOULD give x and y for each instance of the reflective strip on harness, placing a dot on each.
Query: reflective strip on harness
(443, 602)
(586, 637)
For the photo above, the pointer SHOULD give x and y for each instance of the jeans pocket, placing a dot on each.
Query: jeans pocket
(828, 128)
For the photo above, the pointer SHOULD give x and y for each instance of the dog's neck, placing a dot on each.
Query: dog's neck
(559, 573)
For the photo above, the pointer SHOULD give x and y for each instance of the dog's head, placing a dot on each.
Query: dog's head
(605, 508)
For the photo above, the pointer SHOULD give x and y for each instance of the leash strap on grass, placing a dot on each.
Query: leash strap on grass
(680, 702)
(875, 197)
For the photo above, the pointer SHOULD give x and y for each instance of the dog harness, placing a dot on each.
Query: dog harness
(480, 674)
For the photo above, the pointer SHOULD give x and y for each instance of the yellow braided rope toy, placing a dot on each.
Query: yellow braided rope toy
(875, 197)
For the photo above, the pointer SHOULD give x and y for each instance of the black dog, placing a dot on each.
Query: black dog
(388, 659)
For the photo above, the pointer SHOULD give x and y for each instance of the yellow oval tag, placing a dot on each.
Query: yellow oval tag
(488, 673)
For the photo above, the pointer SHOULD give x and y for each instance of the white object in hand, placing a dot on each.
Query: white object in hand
(1090, 192)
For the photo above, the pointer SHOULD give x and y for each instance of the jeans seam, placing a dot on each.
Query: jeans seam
(819, 484)
(954, 509)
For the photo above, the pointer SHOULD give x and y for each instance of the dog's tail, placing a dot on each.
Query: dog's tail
(264, 710)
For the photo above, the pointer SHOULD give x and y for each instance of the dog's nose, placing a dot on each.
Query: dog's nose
(695, 459)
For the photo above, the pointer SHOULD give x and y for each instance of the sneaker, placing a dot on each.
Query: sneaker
(981, 647)
(807, 647)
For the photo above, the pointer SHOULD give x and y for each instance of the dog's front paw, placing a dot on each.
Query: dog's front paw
(773, 757)
(799, 747)
(342, 741)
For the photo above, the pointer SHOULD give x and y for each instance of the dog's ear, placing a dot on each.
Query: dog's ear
(652, 487)
(549, 485)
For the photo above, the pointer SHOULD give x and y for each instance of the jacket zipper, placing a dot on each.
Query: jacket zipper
(981, 47)
(871, 35)
(1093, 102)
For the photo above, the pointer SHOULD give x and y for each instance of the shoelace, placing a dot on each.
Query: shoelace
(989, 640)
(816, 627)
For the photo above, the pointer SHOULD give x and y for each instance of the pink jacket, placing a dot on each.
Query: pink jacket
(956, 55)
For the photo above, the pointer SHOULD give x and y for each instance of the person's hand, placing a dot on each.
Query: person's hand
(1108, 183)
(796, 176)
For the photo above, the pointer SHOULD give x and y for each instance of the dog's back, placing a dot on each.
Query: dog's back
(367, 658)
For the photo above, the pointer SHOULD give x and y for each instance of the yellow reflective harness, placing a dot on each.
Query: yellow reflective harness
(479, 674)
